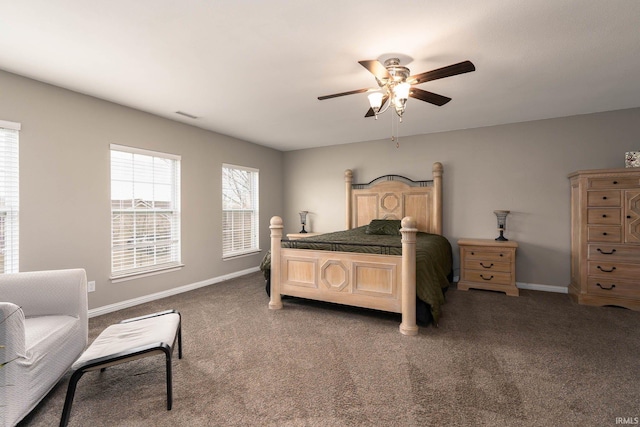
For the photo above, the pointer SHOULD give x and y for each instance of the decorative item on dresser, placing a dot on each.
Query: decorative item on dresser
(488, 264)
(632, 159)
(605, 237)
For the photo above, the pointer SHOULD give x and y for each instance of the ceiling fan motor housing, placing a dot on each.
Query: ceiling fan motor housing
(397, 71)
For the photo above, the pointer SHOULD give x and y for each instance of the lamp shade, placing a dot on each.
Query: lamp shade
(402, 91)
(375, 100)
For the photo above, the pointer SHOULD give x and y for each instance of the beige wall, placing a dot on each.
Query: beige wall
(65, 189)
(519, 167)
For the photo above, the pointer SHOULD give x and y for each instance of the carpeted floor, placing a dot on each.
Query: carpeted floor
(535, 360)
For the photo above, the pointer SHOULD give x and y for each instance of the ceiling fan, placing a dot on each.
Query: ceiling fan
(396, 85)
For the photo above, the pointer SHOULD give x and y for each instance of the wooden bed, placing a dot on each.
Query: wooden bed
(381, 282)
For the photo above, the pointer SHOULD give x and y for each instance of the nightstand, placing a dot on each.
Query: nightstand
(488, 264)
(296, 236)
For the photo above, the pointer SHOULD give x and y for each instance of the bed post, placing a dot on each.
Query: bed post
(408, 230)
(275, 301)
(348, 180)
(437, 198)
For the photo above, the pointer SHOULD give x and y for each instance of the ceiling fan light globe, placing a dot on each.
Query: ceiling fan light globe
(401, 91)
(375, 100)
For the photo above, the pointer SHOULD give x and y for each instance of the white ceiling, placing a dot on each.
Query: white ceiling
(254, 69)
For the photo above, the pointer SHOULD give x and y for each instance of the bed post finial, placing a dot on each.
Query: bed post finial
(275, 301)
(409, 230)
(437, 199)
(348, 180)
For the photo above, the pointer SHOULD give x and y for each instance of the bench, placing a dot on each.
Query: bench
(125, 341)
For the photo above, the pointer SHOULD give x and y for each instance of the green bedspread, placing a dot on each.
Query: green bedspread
(433, 257)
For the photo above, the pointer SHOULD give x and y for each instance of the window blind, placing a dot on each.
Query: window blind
(240, 210)
(145, 211)
(9, 197)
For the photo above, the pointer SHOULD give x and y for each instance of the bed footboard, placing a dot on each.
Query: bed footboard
(381, 282)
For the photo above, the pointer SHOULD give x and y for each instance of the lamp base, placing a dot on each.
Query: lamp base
(501, 237)
(303, 230)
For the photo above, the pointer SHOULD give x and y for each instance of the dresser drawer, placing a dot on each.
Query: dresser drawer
(485, 265)
(487, 254)
(603, 198)
(604, 233)
(614, 253)
(613, 270)
(604, 216)
(487, 277)
(614, 182)
(613, 288)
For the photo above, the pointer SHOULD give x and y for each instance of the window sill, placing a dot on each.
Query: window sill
(242, 255)
(133, 276)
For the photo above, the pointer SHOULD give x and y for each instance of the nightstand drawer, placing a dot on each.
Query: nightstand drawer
(487, 277)
(603, 198)
(487, 265)
(487, 254)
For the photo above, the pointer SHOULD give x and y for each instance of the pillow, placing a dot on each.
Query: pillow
(390, 227)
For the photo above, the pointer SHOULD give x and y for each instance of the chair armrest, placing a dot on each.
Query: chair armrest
(42, 293)
(12, 336)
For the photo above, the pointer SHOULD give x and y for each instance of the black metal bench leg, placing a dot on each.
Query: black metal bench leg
(180, 340)
(169, 382)
(68, 401)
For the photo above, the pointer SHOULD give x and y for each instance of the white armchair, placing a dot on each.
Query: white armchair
(43, 330)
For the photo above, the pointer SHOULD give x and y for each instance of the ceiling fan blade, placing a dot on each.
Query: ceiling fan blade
(440, 73)
(370, 113)
(335, 95)
(430, 97)
(376, 68)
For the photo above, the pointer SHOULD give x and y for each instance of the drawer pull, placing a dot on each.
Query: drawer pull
(484, 278)
(604, 197)
(606, 271)
(615, 182)
(628, 216)
(486, 266)
(604, 215)
(501, 255)
(606, 253)
(604, 234)
(473, 253)
(606, 289)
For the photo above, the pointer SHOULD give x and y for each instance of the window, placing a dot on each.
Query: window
(9, 197)
(239, 211)
(145, 211)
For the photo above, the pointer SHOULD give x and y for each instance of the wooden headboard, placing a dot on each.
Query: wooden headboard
(396, 197)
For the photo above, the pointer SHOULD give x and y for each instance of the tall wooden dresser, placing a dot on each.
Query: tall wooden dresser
(605, 237)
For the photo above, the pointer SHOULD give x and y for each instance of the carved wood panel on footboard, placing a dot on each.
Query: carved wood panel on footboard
(361, 280)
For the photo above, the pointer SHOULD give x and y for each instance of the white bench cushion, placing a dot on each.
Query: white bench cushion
(125, 337)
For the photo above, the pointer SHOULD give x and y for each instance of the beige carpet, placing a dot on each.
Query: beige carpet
(535, 360)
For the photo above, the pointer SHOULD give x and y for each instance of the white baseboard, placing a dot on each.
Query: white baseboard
(543, 288)
(169, 292)
(535, 287)
(175, 291)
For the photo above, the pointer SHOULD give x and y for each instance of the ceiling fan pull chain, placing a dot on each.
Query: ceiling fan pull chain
(395, 137)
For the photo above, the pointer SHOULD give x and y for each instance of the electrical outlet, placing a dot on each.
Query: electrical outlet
(91, 286)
